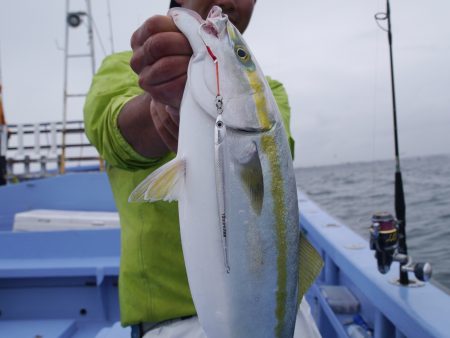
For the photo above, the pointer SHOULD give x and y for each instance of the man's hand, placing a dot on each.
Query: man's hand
(161, 55)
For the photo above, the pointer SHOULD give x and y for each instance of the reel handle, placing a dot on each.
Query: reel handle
(423, 271)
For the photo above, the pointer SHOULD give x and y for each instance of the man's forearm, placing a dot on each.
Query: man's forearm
(137, 127)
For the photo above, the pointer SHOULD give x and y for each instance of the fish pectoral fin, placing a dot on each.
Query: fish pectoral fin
(311, 264)
(163, 184)
(252, 178)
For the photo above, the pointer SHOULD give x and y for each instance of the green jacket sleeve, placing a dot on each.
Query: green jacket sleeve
(112, 87)
(281, 98)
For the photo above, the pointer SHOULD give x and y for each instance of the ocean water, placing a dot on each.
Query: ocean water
(353, 192)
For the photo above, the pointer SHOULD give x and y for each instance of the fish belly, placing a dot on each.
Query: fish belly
(199, 225)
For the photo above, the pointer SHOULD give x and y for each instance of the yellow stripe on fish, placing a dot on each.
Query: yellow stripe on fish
(260, 99)
(269, 147)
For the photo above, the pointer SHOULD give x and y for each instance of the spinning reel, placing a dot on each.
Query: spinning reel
(384, 240)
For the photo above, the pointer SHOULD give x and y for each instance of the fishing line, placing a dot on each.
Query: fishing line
(375, 102)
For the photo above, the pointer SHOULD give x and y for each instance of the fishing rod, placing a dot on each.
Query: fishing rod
(388, 236)
(400, 208)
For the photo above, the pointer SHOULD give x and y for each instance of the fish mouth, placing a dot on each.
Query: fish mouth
(215, 22)
(219, 12)
(210, 28)
(215, 12)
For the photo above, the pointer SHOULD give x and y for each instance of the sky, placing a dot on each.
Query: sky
(331, 56)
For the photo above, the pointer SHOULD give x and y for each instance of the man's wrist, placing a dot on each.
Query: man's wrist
(136, 126)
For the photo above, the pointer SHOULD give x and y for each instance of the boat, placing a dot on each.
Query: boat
(57, 280)
(60, 254)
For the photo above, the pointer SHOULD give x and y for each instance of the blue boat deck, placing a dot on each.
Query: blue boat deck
(58, 284)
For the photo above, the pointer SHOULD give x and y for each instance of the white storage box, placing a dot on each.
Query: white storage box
(340, 299)
(55, 220)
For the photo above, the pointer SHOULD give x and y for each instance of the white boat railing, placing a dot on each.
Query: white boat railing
(37, 150)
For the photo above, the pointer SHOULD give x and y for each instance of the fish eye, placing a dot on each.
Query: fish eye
(242, 53)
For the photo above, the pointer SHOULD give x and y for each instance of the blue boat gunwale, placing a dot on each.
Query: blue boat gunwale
(350, 262)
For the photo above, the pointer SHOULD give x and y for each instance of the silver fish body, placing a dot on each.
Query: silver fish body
(235, 184)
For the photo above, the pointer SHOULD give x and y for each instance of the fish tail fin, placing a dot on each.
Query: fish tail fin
(163, 184)
(311, 264)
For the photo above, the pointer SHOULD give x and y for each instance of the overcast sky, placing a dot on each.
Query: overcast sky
(330, 55)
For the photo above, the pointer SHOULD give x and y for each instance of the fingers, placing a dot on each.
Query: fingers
(157, 47)
(165, 81)
(155, 24)
(166, 125)
(161, 55)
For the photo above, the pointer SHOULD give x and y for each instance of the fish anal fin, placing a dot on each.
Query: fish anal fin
(311, 264)
(164, 184)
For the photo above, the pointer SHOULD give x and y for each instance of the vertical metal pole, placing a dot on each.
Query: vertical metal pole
(91, 46)
(400, 208)
(1, 75)
(0, 63)
(111, 36)
(3, 134)
(90, 35)
(331, 271)
(64, 120)
(382, 326)
(3, 150)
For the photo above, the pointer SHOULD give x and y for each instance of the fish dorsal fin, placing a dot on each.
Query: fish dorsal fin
(164, 184)
(311, 264)
(252, 176)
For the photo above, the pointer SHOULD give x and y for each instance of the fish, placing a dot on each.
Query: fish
(234, 181)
